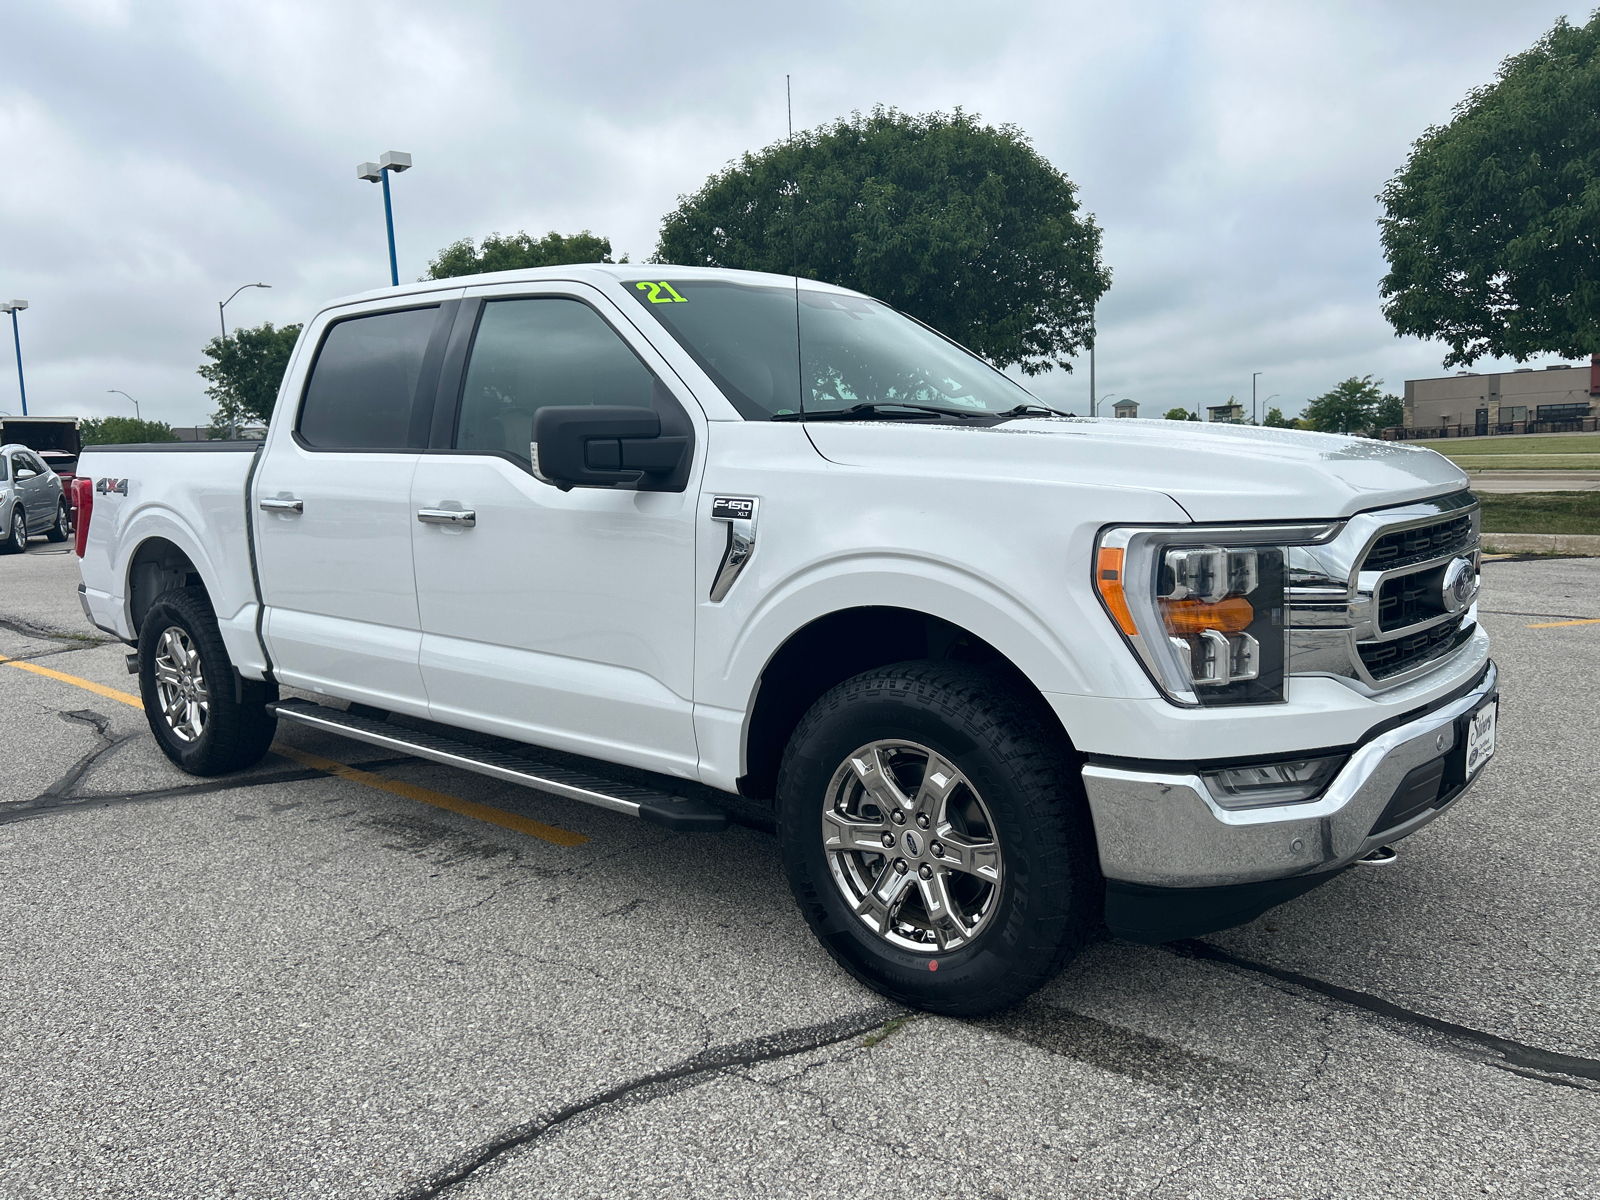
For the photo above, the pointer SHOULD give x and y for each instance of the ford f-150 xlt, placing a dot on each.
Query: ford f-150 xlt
(1006, 676)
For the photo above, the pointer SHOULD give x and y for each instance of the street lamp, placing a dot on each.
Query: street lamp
(222, 304)
(378, 172)
(1253, 397)
(1270, 399)
(120, 392)
(14, 307)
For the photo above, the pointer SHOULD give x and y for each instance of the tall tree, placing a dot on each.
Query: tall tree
(123, 431)
(1390, 410)
(1181, 414)
(245, 370)
(518, 251)
(962, 225)
(1492, 228)
(1349, 408)
(1276, 420)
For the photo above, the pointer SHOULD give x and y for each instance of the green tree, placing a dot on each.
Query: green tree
(1390, 410)
(1349, 408)
(1491, 229)
(963, 226)
(123, 431)
(1181, 414)
(1276, 420)
(244, 373)
(519, 251)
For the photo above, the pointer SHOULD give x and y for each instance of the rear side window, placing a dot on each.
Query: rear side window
(364, 382)
(544, 350)
(5, 470)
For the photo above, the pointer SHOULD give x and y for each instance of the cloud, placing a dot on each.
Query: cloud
(159, 155)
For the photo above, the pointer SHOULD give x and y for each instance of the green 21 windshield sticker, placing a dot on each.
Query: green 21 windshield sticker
(655, 296)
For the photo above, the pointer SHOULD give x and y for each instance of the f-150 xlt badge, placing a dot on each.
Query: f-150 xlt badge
(119, 486)
(740, 514)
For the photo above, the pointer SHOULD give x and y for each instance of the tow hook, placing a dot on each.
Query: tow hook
(1381, 857)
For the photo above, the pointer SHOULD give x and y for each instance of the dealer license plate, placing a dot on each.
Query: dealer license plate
(1480, 738)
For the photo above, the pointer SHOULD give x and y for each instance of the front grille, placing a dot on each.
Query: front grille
(1383, 659)
(1407, 546)
(1410, 599)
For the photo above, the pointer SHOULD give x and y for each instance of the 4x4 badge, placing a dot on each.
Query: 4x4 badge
(740, 514)
(120, 486)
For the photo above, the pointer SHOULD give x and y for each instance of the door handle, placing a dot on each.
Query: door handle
(283, 505)
(461, 518)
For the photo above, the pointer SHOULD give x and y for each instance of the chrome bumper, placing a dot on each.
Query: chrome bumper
(1165, 830)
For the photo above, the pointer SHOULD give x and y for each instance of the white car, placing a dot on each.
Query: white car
(1004, 675)
(31, 500)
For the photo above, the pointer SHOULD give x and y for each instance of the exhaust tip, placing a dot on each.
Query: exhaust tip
(1381, 857)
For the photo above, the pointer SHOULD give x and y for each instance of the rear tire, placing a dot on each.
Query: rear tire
(186, 681)
(61, 530)
(1001, 884)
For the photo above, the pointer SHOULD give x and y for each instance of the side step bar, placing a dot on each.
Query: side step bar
(658, 808)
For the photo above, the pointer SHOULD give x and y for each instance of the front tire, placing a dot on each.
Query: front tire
(937, 838)
(186, 681)
(61, 530)
(17, 536)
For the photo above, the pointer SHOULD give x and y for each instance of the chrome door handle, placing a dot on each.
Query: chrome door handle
(462, 518)
(283, 505)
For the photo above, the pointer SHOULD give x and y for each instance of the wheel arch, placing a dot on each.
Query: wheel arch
(158, 564)
(844, 643)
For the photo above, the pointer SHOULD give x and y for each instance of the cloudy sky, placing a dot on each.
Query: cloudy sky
(154, 156)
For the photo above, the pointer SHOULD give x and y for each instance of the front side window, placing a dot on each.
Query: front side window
(537, 351)
(5, 469)
(364, 382)
(758, 342)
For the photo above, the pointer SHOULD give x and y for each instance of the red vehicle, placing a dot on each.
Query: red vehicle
(54, 439)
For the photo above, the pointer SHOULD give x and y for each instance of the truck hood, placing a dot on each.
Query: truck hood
(1216, 472)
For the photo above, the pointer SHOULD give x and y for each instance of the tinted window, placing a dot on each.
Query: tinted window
(530, 353)
(365, 381)
(755, 340)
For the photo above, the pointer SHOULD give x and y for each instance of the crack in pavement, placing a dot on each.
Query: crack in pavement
(785, 1043)
(100, 723)
(1534, 1062)
(28, 629)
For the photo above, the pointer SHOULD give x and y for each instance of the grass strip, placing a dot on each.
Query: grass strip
(1541, 512)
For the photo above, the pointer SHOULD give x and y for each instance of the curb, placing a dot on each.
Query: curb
(1543, 543)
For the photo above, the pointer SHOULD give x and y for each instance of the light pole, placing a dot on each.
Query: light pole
(120, 392)
(378, 172)
(1253, 397)
(14, 307)
(222, 304)
(1271, 398)
(1092, 392)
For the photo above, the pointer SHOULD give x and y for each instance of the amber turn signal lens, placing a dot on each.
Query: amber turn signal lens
(1186, 617)
(1108, 578)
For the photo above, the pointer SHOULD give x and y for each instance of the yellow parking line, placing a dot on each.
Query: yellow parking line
(481, 812)
(1559, 624)
(88, 685)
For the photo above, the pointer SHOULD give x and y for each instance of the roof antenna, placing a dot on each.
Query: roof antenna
(794, 250)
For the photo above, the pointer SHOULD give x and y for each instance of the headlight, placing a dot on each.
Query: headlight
(1204, 608)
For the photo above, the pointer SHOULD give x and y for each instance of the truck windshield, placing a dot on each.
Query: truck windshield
(849, 350)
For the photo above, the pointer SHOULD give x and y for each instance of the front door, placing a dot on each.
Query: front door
(1482, 426)
(561, 618)
(37, 496)
(333, 511)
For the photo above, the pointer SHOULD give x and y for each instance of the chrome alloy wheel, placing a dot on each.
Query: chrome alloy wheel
(19, 529)
(181, 685)
(911, 846)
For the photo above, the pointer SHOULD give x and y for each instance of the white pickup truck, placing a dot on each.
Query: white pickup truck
(1005, 676)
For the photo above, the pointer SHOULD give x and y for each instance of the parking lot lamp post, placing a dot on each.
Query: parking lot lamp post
(14, 307)
(120, 392)
(1253, 379)
(378, 172)
(222, 304)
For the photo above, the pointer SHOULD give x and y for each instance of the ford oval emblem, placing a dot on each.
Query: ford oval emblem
(1459, 585)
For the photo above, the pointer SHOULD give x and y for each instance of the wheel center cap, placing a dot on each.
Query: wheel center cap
(913, 844)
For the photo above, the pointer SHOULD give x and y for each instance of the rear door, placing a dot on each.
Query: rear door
(564, 618)
(334, 517)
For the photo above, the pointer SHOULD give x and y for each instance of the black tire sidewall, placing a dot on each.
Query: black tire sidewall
(13, 544)
(1038, 908)
(59, 532)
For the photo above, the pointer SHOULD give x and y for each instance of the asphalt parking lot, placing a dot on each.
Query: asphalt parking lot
(331, 977)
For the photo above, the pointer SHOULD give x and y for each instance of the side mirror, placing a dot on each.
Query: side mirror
(602, 445)
(23, 473)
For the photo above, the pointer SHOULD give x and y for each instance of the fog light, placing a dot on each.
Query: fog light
(1288, 781)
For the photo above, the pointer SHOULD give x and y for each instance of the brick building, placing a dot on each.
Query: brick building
(1554, 400)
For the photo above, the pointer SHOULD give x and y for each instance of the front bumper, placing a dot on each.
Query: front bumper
(1162, 829)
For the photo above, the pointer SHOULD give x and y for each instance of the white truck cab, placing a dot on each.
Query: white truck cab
(1006, 676)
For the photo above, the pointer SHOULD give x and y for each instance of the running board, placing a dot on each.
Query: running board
(658, 808)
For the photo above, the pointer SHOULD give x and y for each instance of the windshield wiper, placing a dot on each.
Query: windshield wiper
(870, 411)
(1024, 410)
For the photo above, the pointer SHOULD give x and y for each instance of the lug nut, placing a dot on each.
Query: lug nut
(900, 866)
(936, 849)
(925, 871)
(898, 817)
(888, 839)
(922, 820)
